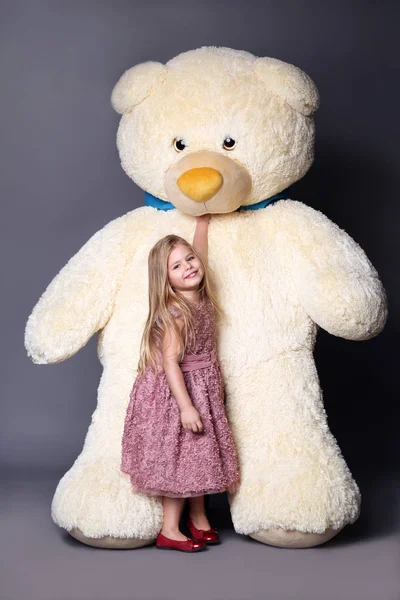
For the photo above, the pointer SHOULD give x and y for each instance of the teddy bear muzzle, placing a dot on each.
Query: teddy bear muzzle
(207, 181)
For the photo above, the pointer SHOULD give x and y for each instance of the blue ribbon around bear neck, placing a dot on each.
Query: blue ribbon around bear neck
(150, 200)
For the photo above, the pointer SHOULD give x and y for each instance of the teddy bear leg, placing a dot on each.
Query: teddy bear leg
(95, 503)
(296, 489)
(282, 538)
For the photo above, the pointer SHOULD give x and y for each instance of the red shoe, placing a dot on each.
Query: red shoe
(207, 536)
(164, 543)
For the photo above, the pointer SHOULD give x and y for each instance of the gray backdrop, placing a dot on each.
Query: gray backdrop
(61, 181)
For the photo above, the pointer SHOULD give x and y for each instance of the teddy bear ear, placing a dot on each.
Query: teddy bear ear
(289, 83)
(136, 84)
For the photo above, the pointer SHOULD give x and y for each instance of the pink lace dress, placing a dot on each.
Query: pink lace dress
(161, 457)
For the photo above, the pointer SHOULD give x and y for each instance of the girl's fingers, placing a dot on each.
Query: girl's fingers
(232, 489)
(196, 427)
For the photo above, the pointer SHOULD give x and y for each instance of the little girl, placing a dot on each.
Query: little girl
(177, 442)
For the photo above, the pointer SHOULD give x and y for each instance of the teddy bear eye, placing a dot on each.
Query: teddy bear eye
(229, 143)
(179, 144)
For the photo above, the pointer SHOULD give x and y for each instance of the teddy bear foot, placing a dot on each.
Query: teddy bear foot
(282, 538)
(113, 543)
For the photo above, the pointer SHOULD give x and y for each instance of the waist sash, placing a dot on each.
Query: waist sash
(190, 362)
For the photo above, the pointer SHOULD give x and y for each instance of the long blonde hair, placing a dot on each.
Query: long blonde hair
(161, 295)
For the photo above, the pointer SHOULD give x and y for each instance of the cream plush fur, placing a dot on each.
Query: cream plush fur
(280, 272)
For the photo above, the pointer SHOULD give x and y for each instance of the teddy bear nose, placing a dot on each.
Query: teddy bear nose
(200, 184)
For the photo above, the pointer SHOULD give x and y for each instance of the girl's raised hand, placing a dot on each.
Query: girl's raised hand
(204, 218)
(190, 419)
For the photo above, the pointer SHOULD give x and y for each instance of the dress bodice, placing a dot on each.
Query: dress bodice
(204, 327)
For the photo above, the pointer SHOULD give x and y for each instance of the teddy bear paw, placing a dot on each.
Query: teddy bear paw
(283, 538)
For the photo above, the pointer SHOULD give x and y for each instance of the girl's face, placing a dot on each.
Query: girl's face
(185, 270)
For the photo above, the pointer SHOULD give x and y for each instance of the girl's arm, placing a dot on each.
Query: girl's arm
(189, 415)
(200, 239)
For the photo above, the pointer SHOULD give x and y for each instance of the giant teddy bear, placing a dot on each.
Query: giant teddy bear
(220, 131)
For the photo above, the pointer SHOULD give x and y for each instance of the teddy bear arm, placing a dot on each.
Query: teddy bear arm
(338, 286)
(80, 299)
(350, 306)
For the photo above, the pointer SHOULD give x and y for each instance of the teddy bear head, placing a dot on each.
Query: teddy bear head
(215, 128)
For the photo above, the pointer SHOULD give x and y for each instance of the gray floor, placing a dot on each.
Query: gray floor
(42, 562)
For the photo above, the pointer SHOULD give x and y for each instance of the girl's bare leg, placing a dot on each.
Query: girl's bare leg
(172, 513)
(197, 513)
